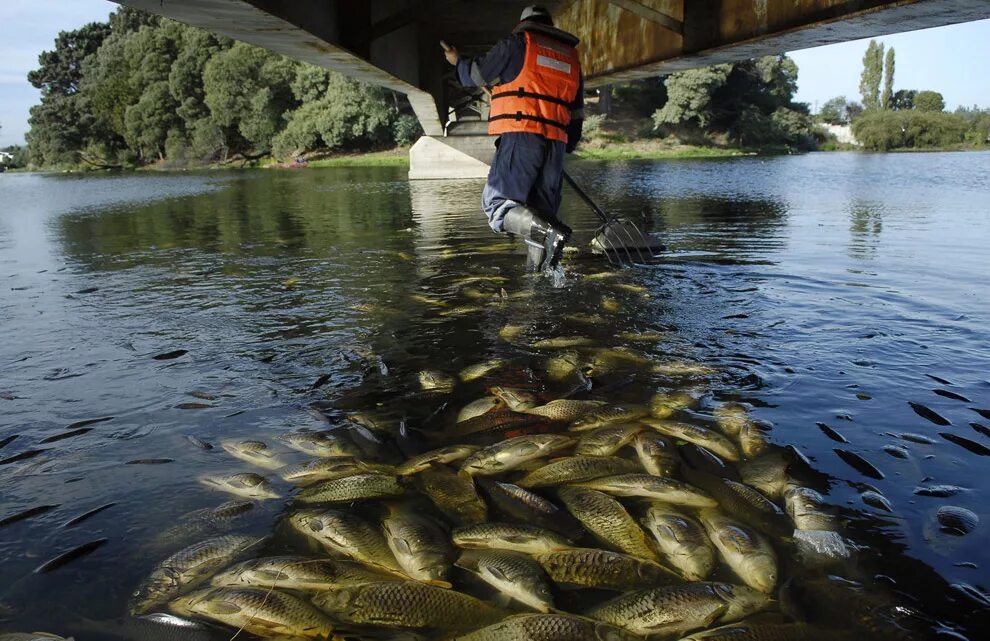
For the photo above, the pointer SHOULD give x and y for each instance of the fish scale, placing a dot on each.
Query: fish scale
(605, 517)
(352, 488)
(574, 469)
(592, 567)
(549, 627)
(266, 613)
(516, 575)
(344, 533)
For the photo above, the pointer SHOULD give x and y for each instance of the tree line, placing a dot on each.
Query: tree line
(906, 118)
(140, 89)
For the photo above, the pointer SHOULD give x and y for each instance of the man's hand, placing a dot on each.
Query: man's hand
(450, 53)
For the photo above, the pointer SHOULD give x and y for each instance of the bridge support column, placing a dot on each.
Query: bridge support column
(444, 157)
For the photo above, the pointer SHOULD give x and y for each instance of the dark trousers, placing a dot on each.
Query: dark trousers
(527, 170)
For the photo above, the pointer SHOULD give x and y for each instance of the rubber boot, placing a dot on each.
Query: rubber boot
(545, 237)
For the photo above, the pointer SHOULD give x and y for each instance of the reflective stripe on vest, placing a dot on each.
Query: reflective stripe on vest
(539, 99)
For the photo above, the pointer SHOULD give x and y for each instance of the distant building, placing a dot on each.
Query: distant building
(842, 133)
(5, 156)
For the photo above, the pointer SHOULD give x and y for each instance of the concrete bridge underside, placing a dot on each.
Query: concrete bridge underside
(395, 44)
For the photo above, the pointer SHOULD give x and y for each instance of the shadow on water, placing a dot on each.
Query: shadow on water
(814, 287)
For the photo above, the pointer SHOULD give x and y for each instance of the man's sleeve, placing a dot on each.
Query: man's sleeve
(577, 119)
(488, 69)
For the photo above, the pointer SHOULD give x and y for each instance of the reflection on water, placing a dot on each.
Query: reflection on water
(826, 289)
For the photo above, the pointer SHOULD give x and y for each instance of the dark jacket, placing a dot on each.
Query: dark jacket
(505, 60)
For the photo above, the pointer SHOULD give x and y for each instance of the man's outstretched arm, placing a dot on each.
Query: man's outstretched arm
(491, 68)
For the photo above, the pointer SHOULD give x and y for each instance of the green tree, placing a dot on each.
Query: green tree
(929, 101)
(689, 97)
(835, 111)
(887, 98)
(869, 80)
(904, 99)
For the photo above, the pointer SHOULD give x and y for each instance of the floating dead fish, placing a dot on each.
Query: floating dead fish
(68, 557)
(831, 433)
(962, 441)
(896, 451)
(859, 463)
(320, 382)
(940, 491)
(82, 517)
(26, 514)
(150, 461)
(956, 520)
(929, 414)
(877, 500)
(89, 421)
(938, 379)
(87, 290)
(198, 442)
(167, 356)
(917, 438)
(947, 394)
(193, 406)
(982, 429)
(23, 456)
(203, 396)
(984, 413)
(65, 435)
(4, 442)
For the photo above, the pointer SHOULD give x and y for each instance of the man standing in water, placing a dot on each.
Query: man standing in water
(537, 95)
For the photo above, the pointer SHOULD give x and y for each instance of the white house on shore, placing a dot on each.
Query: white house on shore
(6, 157)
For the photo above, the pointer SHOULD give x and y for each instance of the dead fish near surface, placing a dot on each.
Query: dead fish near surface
(807, 509)
(69, 556)
(956, 520)
(664, 404)
(929, 414)
(452, 494)
(328, 469)
(744, 550)
(682, 541)
(509, 536)
(349, 535)
(419, 545)
(265, 613)
(731, 417)
(607, 520)
(652, 487)
(771, 632)
(609, 415)
(32, 636)
(563, 342)
(604, 569)
(26, 514)
(321, 444)
(549, 627)
(203, 521)
(254, 452)
(449, 454)
(297, 573)
(478, 407)
(517, 400)
(859, 464)
(574, 469)
(683, 369)
(406, 605)
(698, 435)
(188, 568)
(965, 443)
(151, 627)
(436, 380)
(676, 610)
(528, 507)
(480, 370)
(514, 453)
(359, 487)
(513, 574)
(606, 441)
(656, 454)
(565, 409)
(246, 484)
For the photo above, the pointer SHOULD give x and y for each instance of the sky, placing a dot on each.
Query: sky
(950, 60)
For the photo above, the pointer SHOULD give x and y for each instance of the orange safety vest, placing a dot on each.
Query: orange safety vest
(538, 100)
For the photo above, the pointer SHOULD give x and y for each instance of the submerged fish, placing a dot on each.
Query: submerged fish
(651, 487)
(247, 484)
(435, 380)
(656, 454)
(528, 507)
(548, 627)
(698, 435)
(677, 609)
(767, 473)
(296, 573)
(449, 454)
(771, 632)
(574, 469)
(478, 407)
(807, 509)
(607, 520)
(514, 453)
(595, 568)
(322, 444)
(565, 409)
(517, 400)
(731, 418)
(328, 469)
(665, 404)
(254, 452)
(203, 521)
(561, 342)
(859, 463)
(606, 441)
(359, 487)
(453, 494)
(609, 415)
(682, 541)
(347, 534)
(744, 550)
(32, 636)
(509, 536)
(479, 370)
(419, 545)
(405, 604)
(513, 574)
(266, 613)
(188, 568)
(151, 627)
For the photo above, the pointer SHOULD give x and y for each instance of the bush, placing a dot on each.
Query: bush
(886, 130)
(592, 124)
(406, 129)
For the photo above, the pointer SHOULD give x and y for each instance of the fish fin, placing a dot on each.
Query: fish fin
(502, 600)
(440, 584)
(498, 574)
(221, 607)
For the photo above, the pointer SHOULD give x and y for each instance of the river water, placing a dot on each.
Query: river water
(829, 292)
